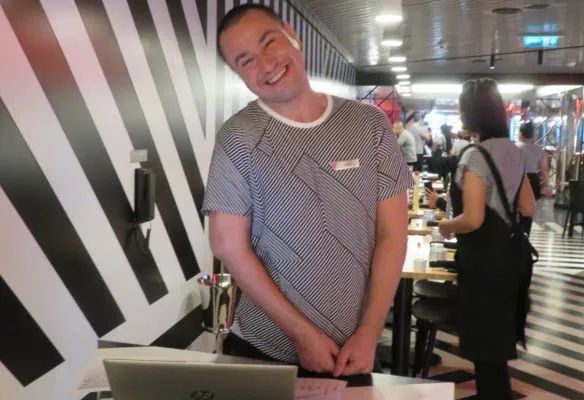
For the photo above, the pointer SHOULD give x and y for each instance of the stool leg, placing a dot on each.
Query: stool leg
(429, 350)
(421, 338)
(573, 216)
(566, 223)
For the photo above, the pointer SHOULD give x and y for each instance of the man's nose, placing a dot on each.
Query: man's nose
(267, 62)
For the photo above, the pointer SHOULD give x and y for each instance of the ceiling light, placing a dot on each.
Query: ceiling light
(514, 88)
(405, 83)
(537, 6)
(506, 10)
(389, 19)
(406, 94)
(391, 42)
(399, 69)
(437, 88)
(543, 91)
(397, 59)
(455, 88)
(403, 76)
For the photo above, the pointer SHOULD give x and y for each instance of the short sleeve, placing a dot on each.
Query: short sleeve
(393, 175)
(473, 161)
(228, 189)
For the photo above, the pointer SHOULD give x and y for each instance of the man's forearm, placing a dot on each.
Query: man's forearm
(388, 260)
(255, 283)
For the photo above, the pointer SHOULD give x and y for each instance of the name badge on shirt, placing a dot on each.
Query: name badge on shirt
(345, 164)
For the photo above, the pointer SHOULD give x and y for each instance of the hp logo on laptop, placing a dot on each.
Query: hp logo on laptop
(202, 395)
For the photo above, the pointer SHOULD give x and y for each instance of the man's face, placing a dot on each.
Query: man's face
(260, 51)
(398, 128)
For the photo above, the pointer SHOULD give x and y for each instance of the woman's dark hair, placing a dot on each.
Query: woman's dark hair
(447, 132)
(526, 130)
(482, 109)
(236, 14)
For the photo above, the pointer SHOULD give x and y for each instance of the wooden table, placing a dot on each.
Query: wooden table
(418, 248)
(430, 176)
(437, 214)
(419, 227)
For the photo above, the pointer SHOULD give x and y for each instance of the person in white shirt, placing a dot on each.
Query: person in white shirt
(407, 144)
(459, 144)
(537, 166)
(421, 136)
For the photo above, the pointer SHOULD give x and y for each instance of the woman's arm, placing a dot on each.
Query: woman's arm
(527, 203)
(473, 209)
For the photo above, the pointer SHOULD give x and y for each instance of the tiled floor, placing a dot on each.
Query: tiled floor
(553, 365)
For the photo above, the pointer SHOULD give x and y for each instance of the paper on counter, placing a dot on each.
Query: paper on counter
(319, 389)
(423, 391)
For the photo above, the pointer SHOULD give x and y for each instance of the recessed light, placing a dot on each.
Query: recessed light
(389, 19)
(537, 6)
(403, 76)
(397, 59)
(391, 42)
(506, 10)
(399, 69)
(402, 83)
(571, 64)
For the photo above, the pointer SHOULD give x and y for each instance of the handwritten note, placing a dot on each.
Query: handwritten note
(319, 389)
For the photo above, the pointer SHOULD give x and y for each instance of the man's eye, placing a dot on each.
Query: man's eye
(246, 62)
(269, 42)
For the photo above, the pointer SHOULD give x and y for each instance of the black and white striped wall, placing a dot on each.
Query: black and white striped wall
(82, 84)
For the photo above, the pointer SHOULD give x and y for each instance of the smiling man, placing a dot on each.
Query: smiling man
(307, 208)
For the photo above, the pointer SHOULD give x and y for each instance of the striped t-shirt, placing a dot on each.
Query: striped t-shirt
(511, 165)
(311, 190)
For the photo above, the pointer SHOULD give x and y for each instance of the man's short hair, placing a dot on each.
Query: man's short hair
(236, 14)
(526, 130)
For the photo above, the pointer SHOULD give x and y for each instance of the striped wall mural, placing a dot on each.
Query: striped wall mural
(82, 84)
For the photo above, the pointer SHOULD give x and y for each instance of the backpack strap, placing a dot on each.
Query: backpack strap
(511, 214)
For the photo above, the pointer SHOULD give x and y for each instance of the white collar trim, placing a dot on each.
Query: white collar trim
(296, 124)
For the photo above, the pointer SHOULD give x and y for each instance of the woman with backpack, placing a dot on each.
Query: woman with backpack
(494, 257)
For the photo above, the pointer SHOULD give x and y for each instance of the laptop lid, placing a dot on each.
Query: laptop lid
(180, 380)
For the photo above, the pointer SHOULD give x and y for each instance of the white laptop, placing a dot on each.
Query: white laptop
(185, 380)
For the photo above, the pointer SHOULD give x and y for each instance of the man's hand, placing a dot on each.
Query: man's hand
(316, 351)
(431, 197)
(357, 355)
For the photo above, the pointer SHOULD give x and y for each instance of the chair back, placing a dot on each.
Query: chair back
(576, 189)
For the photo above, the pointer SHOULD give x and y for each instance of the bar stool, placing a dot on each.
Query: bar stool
(430, 313)
(576, 206)
(434, 290)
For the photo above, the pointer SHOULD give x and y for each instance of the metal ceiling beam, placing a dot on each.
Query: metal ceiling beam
(375, 78)
(535, 79)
